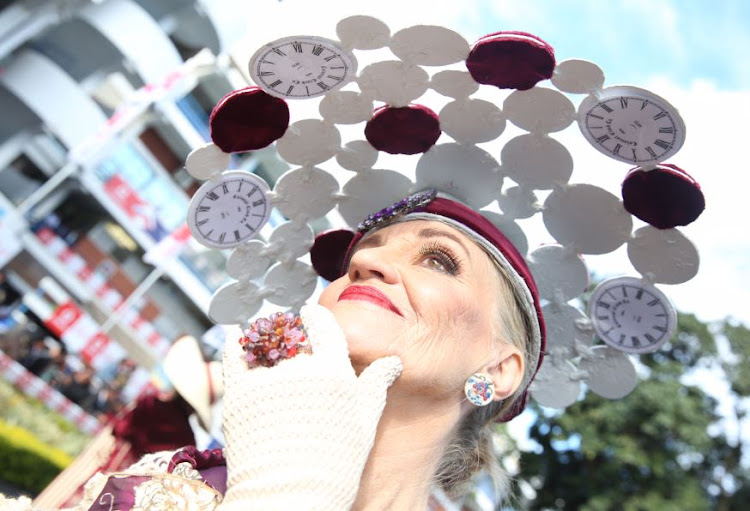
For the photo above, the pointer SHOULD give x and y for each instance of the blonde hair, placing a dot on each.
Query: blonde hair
(471, 450)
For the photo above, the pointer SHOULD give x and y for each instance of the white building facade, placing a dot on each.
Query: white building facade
(101, 103)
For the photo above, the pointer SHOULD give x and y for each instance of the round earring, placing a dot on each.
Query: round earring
(480, 389)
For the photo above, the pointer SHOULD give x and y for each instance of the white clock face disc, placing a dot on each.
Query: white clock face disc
(631, 316)
(230, 210)
(302, 67)
(631, 125)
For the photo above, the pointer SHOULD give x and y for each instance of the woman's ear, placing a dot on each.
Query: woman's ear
(506, 371)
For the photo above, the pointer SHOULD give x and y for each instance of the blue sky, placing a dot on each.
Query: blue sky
(686, 39)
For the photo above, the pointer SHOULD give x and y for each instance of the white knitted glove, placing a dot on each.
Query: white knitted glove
(298, 434)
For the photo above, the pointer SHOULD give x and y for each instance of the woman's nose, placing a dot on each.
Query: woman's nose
(374, 263)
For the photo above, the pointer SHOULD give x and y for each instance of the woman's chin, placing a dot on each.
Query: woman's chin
(367, 334)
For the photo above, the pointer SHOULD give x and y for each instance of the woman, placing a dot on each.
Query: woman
(434, 293)
(432, 297)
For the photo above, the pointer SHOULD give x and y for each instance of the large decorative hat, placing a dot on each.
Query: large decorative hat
(199, 382)
(497, 157)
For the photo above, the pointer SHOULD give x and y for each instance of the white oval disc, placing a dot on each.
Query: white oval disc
(290, 241)
(454, 83)
(305, 193)
(363, 33)
(587, 217)
(429, 45)
(537, 162)
(234, 303)
(471, 121)
(394, 82)
(511, 229)
(309, 142)
(518, 202)
(558, 272)
(563, 323)
(207, 161)
(539, 110)
(578, 76)
(248, 261)
(290, 284)
(345, 107)
(665, 256)
(357, 155)
(554, 385)
(370, 191)
(465, 172)
(611, 374)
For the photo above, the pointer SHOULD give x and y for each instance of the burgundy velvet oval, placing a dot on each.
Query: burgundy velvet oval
(248, 119)
(328, 252)
(403, 130)
(510, 60)
(664, 197)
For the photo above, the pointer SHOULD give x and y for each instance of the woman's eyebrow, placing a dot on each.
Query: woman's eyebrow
(373, 240)
(431, 232)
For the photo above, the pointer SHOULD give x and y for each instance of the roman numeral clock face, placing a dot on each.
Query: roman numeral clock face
(302, 67)
(631, 125)
(631, 316)
(230, 210)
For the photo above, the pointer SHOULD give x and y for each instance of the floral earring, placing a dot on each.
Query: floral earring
(480, 389)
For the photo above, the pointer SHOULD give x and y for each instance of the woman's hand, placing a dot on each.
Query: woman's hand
(298, 434)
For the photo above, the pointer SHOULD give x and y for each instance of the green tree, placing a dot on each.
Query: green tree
(660, 448)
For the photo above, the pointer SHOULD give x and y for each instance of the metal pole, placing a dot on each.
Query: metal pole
(137, 293)
(53, 182)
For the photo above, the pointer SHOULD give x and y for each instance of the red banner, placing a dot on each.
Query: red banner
(63, 318)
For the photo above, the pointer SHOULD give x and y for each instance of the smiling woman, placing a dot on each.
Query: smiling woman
(417, 290)
(436, 287)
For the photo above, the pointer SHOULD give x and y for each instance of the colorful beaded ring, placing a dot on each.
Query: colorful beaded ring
(270, 340)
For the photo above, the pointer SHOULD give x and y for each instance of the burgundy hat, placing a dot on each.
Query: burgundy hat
(383, 99)
(332, 250)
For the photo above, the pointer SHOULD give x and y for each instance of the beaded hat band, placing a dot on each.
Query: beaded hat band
(393, 106)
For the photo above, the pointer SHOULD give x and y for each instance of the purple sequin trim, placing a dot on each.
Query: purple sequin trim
(404, 206)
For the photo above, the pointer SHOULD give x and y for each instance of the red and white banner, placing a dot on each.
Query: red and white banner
(168, 248)
(94, 280)
(130, 202)
(84, 329)
(82, 335)
(37, 388)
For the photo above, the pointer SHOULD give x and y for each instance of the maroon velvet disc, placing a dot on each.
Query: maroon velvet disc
(511, 60)
(664, 197)
(248, 119)
(328, 252)
(411, 129)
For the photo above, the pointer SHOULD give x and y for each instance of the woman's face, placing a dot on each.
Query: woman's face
(425, 292)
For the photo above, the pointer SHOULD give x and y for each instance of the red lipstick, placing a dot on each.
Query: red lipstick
(369, 294)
